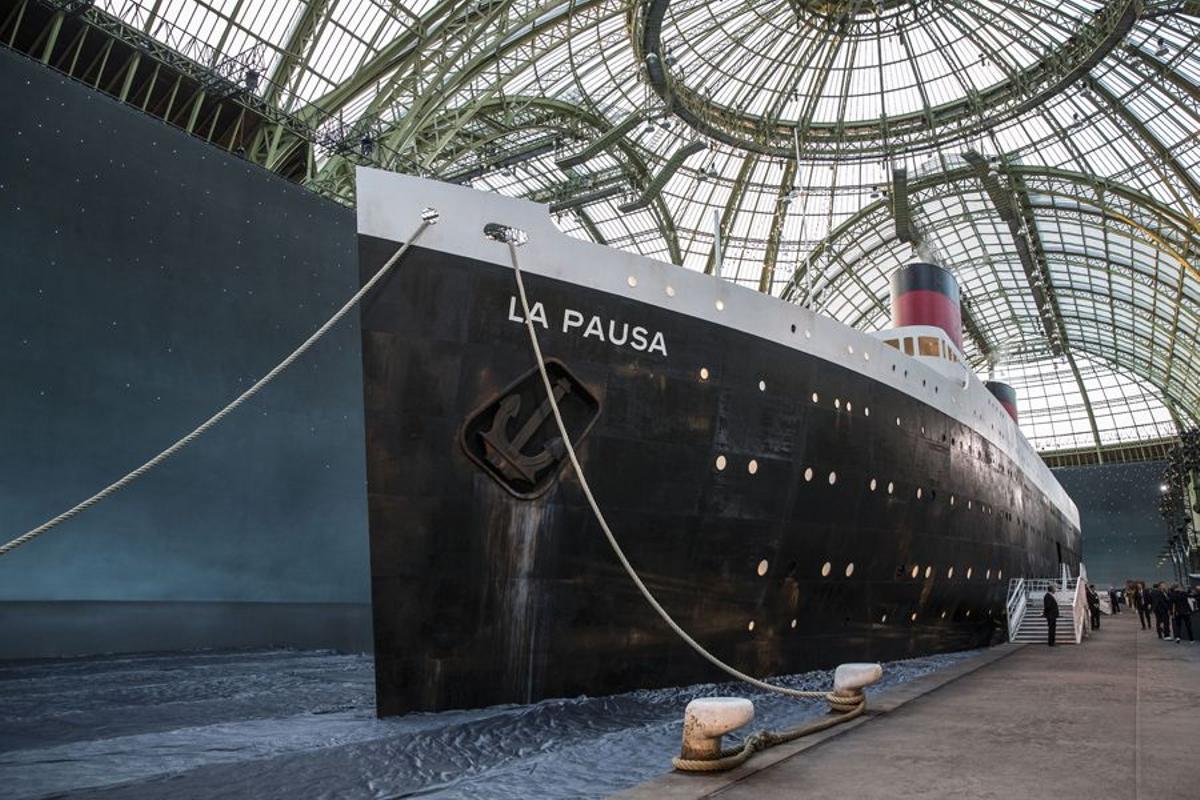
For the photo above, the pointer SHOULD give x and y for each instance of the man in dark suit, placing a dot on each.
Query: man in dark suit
(1093, 604)
(1141, 604)
(1050, 612)
(1161, 606)
(1181, 612)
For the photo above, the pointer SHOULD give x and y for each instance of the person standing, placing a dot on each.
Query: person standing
(1161, 606)
(1114, 600)
(1050, 612)
(1093, 604)
(1181, 612)
(1141, 605)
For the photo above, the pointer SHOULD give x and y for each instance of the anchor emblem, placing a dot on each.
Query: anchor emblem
(505, 454)
(527, 462)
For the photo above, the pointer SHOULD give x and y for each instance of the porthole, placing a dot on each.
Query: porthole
(720, 304)
(897, 422)
(873, 484)
(950, 572)
(951, 499)
(825, 569)
(918, 492)
(968, 505)
(794, 624)
(891, 487)
(883, 618)
(808, 474)
(721, 462)
(923, 382)
(816, 398)
(632, 281)
(943, 615)
(762, 568)
(750, 627)
(704, 373)
(929, 571)
(837, 403)
(752, 467)
(1000, 575)
(916, 570)
(832, 478)
(849, 407)
(987, 575)
(969, 571)
(670, 291)
(968, 612)
(867, 411)
(762, 386)
(913, 617)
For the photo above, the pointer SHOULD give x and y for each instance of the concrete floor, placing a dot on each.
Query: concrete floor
(1118, 717)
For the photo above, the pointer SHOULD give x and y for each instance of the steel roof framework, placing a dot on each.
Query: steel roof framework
(1089, 111)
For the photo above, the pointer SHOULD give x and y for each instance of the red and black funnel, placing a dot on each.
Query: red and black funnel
(926, 294)
(1007, 396)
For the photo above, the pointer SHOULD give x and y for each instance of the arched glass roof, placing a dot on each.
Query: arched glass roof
(1046, 152)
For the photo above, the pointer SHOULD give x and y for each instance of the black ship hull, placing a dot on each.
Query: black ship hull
(790, 513)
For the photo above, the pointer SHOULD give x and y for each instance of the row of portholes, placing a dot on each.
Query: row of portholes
(915, 572)
(722, 462)
(827, 569)
(752, 467)
(816, 398)
(912, 617)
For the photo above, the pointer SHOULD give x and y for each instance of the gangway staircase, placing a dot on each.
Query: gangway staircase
(1025, 620)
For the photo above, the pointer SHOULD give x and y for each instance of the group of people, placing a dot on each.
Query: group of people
(1171, 606)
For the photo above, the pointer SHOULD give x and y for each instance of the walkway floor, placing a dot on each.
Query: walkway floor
(1115, 718)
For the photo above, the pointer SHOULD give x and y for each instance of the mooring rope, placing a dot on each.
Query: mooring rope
(118, 485)
(847, 705)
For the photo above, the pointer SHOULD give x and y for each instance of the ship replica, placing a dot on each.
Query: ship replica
(795, 492)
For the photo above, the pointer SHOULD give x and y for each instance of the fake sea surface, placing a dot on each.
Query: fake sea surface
(288, 724)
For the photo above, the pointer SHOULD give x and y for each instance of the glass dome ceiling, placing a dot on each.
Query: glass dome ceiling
(1046, 152)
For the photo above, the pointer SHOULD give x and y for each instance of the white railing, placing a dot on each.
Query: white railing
(1025, 597)
(1017, 602)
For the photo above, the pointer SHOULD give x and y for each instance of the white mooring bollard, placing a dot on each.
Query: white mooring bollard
(707, 719)
(852, 677)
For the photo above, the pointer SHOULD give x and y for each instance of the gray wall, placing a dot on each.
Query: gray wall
(1122, 530)
(149, 278)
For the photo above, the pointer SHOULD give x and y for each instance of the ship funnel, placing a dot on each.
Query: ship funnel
(1007, 396)
(926, 294)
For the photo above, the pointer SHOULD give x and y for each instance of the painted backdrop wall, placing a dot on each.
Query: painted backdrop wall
(149, 278)
(1122, 530)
